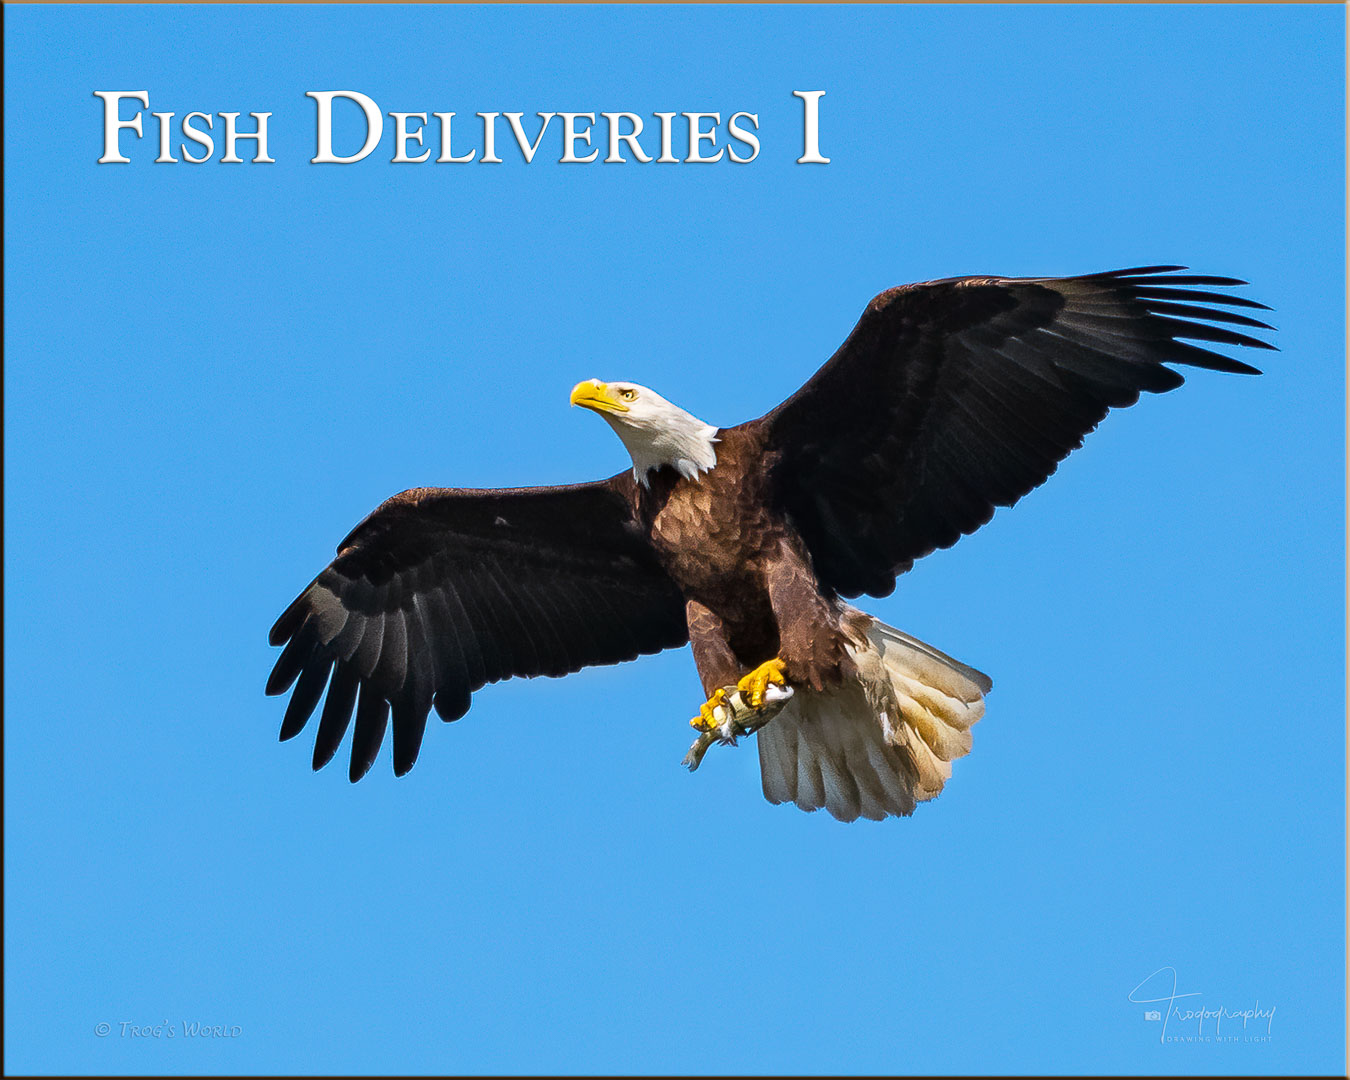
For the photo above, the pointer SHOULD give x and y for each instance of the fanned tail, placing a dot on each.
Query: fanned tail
(879, 744)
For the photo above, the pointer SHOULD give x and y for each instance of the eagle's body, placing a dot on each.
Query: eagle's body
(948, 399)
(743, 570)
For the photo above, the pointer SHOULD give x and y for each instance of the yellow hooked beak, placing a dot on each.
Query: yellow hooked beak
(593, 394)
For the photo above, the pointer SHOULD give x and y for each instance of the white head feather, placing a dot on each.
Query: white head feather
(655, 431)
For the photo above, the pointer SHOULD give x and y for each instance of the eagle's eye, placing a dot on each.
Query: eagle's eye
(628, 395)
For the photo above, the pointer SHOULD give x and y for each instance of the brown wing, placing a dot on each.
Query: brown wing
(440, 591)
(954, 397)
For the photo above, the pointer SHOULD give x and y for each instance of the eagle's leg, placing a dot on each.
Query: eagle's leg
(754, 685)
(811, 643)
(716, 663)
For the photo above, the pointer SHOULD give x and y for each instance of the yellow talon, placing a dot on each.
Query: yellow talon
(752, 687)
(705, 720)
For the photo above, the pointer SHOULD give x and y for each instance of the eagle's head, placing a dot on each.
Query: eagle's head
(655, 432)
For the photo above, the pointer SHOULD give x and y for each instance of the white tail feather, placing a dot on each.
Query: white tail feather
(878, 744)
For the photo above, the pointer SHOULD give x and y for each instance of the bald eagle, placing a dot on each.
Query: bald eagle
(948, 399)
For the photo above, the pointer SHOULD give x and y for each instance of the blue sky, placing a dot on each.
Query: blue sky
(212, 372)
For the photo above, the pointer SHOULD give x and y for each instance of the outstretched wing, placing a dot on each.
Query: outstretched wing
(953, 397)
(440, 591)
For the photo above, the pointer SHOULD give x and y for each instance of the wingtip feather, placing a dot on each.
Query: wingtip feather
(289, 620)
